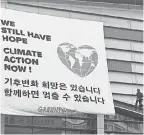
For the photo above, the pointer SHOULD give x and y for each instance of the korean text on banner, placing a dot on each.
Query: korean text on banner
(53, 66)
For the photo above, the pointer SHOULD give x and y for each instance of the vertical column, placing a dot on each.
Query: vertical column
(2, 123)
(100, 124)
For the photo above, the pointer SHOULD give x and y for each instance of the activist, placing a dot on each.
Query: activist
(139, 98)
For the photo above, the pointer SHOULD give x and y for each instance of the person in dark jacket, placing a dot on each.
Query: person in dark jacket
(139, 98)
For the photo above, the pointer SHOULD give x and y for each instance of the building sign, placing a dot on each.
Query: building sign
(53, 66)
(34, 121)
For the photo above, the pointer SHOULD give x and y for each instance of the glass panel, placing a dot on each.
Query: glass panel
(18, 120)
(129, 127)
(17, 130)
(46, 131)
(73, 132)
(110, 127)
(117, 128)
(44, 125)
(120, 117)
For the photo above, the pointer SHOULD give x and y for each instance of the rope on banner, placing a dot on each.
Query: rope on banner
(131, 47)
(136, 79)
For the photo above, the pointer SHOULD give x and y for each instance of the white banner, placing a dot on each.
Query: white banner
(53, 65)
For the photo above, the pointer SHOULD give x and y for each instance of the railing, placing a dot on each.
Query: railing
(129, 106)
(123, 127)
(123, 124)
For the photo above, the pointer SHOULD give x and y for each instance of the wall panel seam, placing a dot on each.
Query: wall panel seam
(123, 94)
(126, 83)
(125, 50)
(136, 73)
(140, 41)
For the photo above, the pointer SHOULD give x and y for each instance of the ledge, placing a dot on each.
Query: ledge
(128, 110)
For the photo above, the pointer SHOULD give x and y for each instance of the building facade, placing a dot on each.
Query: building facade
(123, 33)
